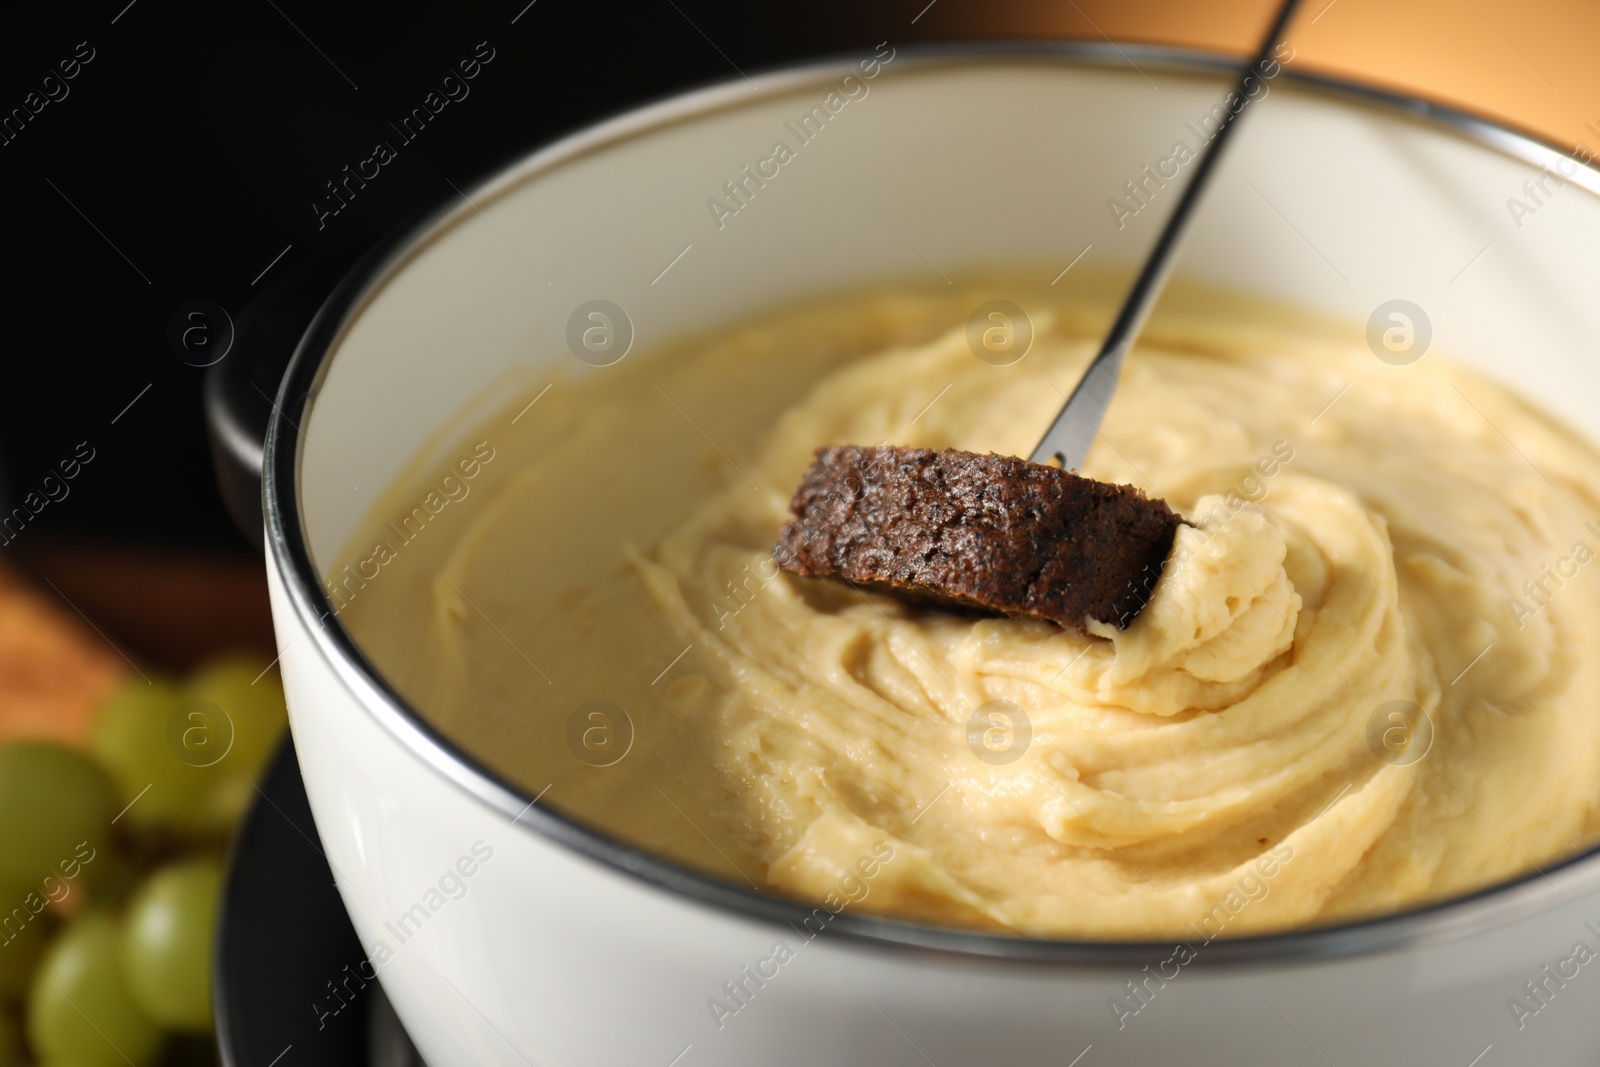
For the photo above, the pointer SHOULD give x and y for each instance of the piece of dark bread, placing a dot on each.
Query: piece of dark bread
(993, 533)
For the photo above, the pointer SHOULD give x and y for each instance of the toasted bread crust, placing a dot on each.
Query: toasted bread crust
(991, 533)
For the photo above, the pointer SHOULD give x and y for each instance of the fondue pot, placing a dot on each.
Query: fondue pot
(506, 932)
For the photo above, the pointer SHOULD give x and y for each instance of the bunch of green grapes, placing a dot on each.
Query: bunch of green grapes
(111, 870)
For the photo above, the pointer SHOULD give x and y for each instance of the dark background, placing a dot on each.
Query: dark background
(186, 156)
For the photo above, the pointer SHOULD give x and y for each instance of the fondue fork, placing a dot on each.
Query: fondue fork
(1066, 443)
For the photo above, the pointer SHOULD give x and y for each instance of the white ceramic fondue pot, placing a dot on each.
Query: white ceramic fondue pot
(568, 949)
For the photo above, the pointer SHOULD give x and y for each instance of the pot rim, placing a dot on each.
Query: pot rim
(289, 551)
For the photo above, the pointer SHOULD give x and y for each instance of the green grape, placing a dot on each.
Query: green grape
(250, 699)
(131, 740)
(21, 945)
(166, 943)
(80, 1009)
(56, 808)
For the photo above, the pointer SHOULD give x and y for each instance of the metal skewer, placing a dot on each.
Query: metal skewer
(1066, 443)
